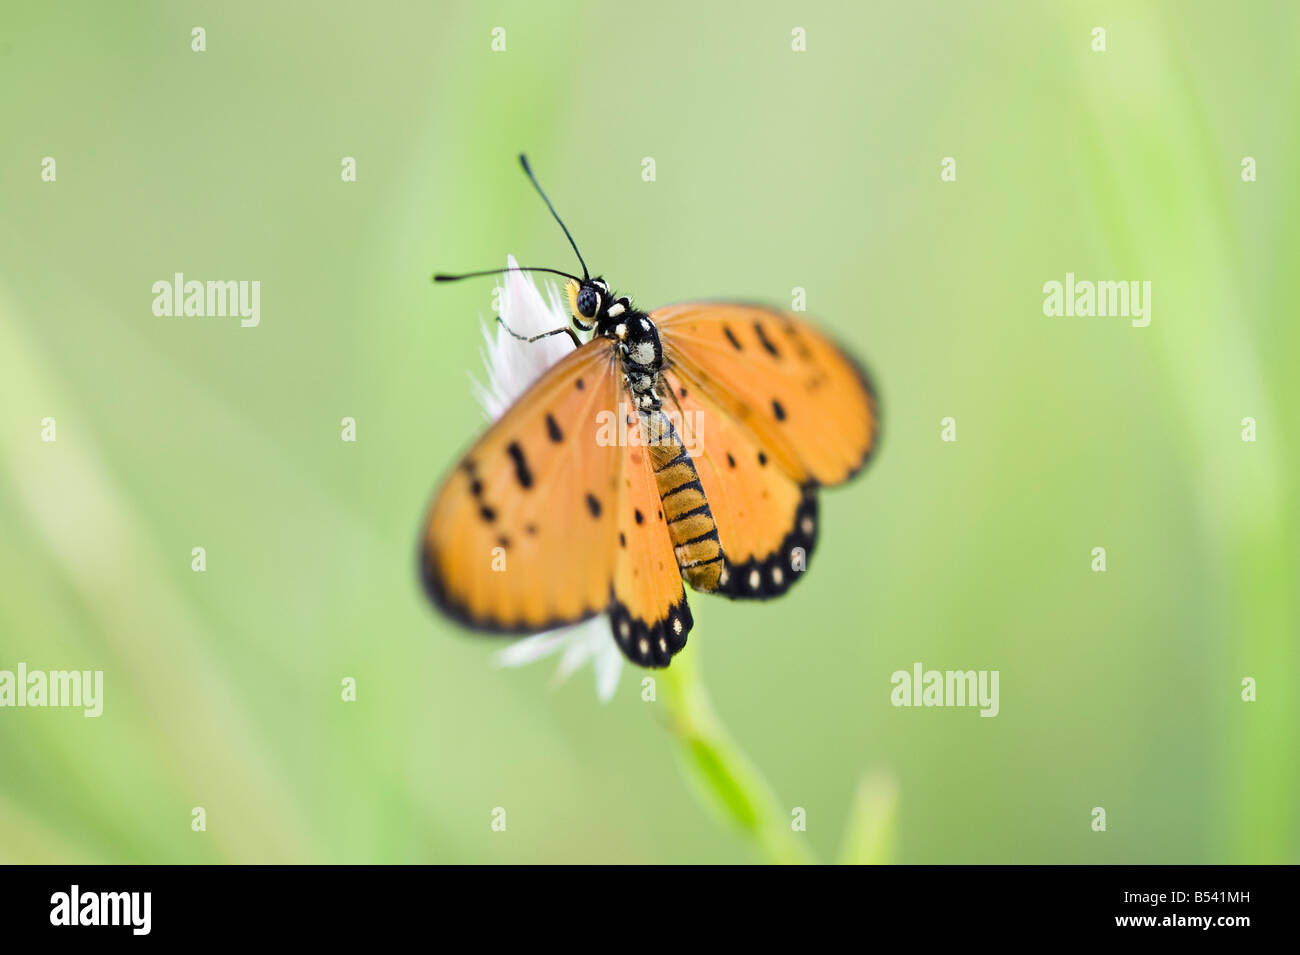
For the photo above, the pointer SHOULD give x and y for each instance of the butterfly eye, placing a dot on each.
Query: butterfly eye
(588, 301)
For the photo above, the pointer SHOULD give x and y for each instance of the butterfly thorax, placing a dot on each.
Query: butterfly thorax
(640, 353)
(634, 335)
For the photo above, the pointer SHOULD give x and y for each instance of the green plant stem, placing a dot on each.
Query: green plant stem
(721, 775)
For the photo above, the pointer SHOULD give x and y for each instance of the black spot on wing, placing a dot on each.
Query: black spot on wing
(731, 337)
(765, 341)
(593, 505)
(800, 346)
(553, 429)
(522, 473)
(778, 410)
(471, 471)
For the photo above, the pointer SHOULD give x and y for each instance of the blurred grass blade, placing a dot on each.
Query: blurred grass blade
(872, 834)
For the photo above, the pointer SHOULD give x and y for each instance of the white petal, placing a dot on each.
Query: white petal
(530, 649)
(593, 641)
(608, 664)
(578, 652)
(524, 309)
(585, 640)
(512, 363)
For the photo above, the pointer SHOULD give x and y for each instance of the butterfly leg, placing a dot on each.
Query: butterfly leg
(577, 343)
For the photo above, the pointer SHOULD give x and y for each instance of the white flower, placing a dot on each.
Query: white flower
(513, 365)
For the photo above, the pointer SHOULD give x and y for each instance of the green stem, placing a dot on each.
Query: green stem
(723, 777)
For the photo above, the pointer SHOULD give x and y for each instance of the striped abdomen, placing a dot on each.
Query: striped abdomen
(690, 522)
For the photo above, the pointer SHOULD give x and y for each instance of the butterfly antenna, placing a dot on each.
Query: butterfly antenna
(443, 277)
(523, 161)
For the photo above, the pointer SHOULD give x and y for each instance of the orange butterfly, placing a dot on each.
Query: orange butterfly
(687, 442)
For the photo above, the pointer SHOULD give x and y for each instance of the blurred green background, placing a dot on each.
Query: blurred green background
(775, 169)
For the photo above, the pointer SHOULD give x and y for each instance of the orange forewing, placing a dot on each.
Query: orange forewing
(523, 535)
(808, 405)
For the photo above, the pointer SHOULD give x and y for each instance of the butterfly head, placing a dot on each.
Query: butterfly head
(591, 300)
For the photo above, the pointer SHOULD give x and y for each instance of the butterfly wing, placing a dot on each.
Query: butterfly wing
(648, 613)
(522, 536)
(809, 406)
(549, 519)
(766, 520)
(771, 409)
(554, 516)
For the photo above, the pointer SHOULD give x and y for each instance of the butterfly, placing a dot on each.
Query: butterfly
(684, 445)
